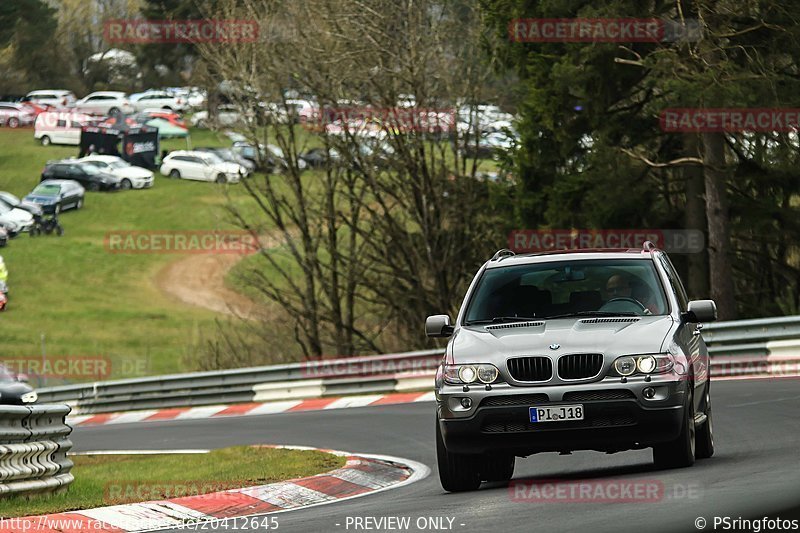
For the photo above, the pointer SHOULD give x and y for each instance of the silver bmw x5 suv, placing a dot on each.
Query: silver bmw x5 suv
(571, 350)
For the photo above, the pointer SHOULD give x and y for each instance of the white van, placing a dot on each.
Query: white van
(59, 127)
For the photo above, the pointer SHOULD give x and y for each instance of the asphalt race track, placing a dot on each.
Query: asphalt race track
(756, 469)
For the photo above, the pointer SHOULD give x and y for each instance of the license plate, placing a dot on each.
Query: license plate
(558, 413)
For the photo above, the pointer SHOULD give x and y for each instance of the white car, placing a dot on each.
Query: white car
(104, 103)
(53, 127)
(132, 177)
(51, 97)
(227, 115)
(201, 166)
(158, 99)
(18, 217)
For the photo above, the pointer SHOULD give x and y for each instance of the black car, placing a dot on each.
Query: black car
(88, 175)
(56, 196)
(13, 391)
(15, 203)
(318, 157)
(226, 154)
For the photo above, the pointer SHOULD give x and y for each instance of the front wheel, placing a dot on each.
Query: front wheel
(458, 472)
(705, 434)
(498, 468)
(174, 174)
(13, 123)
(45, 140)
(679, 453)
(221, 179)
(125, 185)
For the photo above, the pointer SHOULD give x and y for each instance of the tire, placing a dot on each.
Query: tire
(79, 203)
(457, 472)
(498, 468)
(113, 111)
(175, 173)
(13, 122)
(45, 140)
(705, 434)
(679, 453)
(94, 187)
(125, 185)
(221, 179)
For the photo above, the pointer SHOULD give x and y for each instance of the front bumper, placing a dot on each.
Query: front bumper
(616, 417)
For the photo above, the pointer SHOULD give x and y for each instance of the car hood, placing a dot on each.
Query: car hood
(610, 336)
(20, 215)
(134, 172)
(228, 168)
(41, 199)
(13, 390)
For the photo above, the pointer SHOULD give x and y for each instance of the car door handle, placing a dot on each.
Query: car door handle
(698, 329)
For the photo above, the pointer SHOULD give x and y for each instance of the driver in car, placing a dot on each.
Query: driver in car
(621, 286)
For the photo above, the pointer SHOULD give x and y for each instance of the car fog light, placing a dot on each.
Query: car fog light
(466, 403)
(649, 393)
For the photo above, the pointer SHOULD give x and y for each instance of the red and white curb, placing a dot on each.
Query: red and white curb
(250, 409)
(363, 474)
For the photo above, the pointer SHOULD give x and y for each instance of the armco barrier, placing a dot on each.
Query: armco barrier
(34, 441)
(743, 347)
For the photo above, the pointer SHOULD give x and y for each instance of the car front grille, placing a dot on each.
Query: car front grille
(515, 399)
(580, 366)
(598, 395)
(616, 420)
(530, 368)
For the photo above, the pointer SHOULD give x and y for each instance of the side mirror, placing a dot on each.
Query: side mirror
(438, 326)
(701, 311)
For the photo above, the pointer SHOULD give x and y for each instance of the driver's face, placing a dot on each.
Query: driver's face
(618, 287)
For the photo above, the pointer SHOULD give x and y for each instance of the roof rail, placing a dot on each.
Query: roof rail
(648, 246)
(503, 252)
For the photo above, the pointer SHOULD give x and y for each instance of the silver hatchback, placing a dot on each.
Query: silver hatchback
(571, 350)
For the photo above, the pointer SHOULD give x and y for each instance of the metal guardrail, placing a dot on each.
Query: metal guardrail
(373, 374)
(34, 441)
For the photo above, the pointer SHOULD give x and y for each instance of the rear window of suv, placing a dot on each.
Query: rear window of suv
(578, 287)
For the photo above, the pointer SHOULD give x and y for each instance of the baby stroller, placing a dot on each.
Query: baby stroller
(46, 225)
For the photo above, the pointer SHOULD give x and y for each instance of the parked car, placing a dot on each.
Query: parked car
(201, 166)
(170, 116)
(88, 175)
(53, 127)
(14, 115)
(12, 201)
(104, 103)
(159, 100)
(14, 390)
(51, 97)
(227, 115)
(131, 176)
(270, 157)
(318, 157)
(226, 154)
(21, 218)
(56, 196)
(571, 350)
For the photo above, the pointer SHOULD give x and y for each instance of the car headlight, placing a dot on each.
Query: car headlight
(644, 364)
(30, 397)
(467, 374)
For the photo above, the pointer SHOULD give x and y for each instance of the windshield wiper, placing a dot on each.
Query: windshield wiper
(587, 313)
(498, 319)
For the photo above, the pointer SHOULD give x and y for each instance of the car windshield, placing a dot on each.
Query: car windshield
(213, 158)
(603, 287)
(90, 169)
(47, 189)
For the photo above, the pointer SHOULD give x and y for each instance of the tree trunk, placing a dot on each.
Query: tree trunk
(695, 219)
(718, 218)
